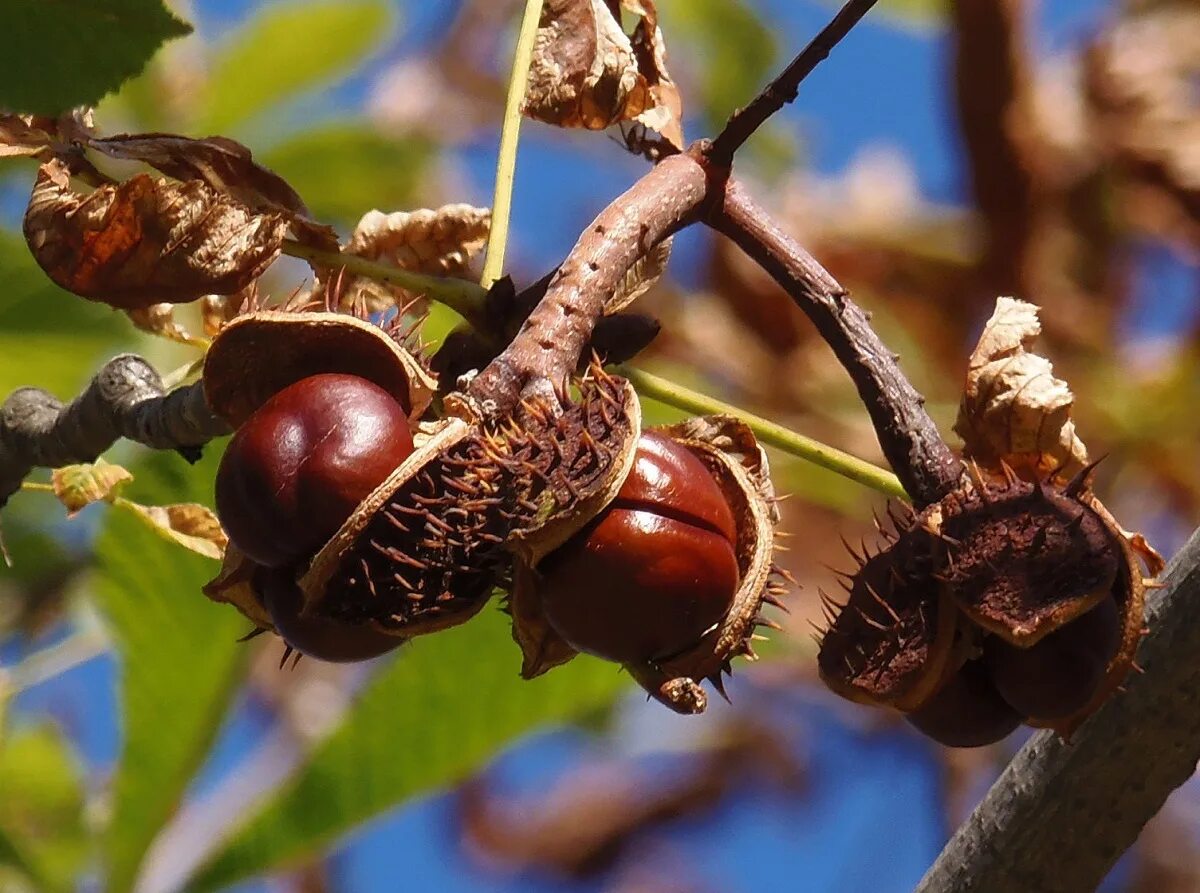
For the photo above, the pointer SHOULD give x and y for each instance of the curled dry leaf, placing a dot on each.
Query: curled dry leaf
(147, 240)
(159, 319)
(36, 136)
(1013, 408)
(228, 167)
(587, 72)
(78, 486)
(438, 242)
(191, 525)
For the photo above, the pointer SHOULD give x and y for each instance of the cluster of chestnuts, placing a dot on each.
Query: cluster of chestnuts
(1010, 601)
(355, 522)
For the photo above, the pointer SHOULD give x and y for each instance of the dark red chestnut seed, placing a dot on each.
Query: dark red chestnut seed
(967, 711)
(298, 467)
(652, 572)
(316, 637)
(1060, 674)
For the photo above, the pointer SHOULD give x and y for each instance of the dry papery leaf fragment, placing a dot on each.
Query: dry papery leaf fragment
(437, 242)
(1013, 407)
(78, 486)
(37, 136)
(189, 524)
(587, 72)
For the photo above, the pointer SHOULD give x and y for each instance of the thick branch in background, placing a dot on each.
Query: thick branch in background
(126, 398)
(994, 95)
(909, 438)
(1062, 813)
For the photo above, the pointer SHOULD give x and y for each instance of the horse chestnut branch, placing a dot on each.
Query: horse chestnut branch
(126, 398)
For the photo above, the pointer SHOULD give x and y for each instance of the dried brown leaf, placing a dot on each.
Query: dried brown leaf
(78, 486)
(147, 240)
(1013, 408)
(438, 242)
(216, 310)
(586, 72)
(191, 525)
(225, 165)
(36, 136)
(159, 319)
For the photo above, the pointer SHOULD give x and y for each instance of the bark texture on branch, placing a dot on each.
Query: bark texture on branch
(126, 398)
(1061, 814)
(547, 348)
(910, 440)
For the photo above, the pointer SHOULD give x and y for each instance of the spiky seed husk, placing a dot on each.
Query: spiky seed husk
(426, 549)
(264, 351)
(891, 641)
(1023, 558)
(581, 454)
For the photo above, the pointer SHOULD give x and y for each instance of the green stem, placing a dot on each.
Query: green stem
(768, 432)
(506, 162)
(461, 295)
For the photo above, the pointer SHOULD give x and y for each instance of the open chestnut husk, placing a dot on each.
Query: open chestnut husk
(1045, 592)
(648, 581)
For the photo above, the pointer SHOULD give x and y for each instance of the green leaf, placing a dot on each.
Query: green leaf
(287, 49)
(180, 661)
(737, 47)
(446, 704)
(41, 811)
(48, 337)
(346, 169)
(57, 54)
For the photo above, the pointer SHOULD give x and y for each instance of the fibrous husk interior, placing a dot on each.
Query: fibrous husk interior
(1026, 558)
(890, 641)
(261, 353)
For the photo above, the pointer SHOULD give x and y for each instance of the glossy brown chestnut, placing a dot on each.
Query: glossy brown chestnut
(315, 636)
(967, 711)
(298, 467)
(652, 572)
(1058, 675)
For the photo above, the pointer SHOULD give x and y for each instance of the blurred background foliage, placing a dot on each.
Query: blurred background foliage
(946, 154)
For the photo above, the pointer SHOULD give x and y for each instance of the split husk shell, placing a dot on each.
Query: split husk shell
(1129, 590)
(260, 353)
(730, 452)
(891, 642)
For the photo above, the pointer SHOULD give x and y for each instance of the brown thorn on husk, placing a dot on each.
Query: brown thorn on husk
(1082, 479)
(253, 634)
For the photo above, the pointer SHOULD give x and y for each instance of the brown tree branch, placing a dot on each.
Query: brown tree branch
(783, 89)
(547, 348)
(1062, 813)
(909, 438)
(126, 398)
